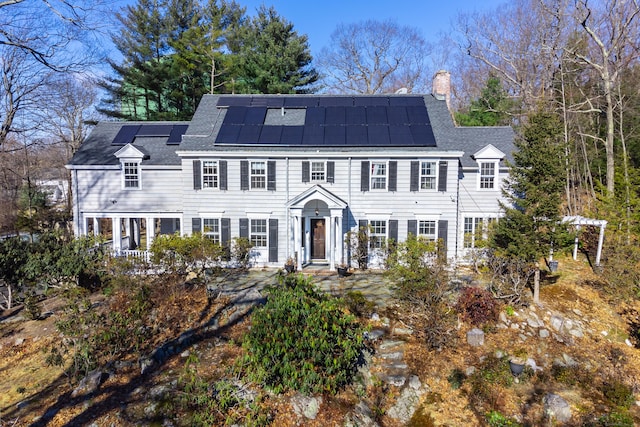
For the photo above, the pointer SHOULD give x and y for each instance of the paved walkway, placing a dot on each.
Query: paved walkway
(372, 284)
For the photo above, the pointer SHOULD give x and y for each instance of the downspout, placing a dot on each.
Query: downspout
(457, 213)
(286, 213)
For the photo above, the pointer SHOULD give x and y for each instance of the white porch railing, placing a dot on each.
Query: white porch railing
(136, 255)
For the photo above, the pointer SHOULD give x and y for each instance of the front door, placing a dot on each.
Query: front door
(318, 236)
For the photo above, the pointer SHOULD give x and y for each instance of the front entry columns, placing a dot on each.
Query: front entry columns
(296, 213)
(336, 238)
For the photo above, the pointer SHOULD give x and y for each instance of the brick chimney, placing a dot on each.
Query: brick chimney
(442, 86)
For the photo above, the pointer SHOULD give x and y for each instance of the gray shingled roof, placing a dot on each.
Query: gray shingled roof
(207, 121)
(97, 148)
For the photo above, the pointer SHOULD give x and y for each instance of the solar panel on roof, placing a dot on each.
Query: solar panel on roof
(249, 134)
(255, 115)
(313, 135)
(315, 116)
(125, 135)
(376, 115)
(400, 135)
(335, 116)
(292, 135)
(235, 115)
(406, 101)
(175, 137)
(356, 116)
(228, 134)
(277, 101)
(335, 135)
(371, 101)
(397, 115)
(154, 130)
(336, 101)
(270, 134)
(301, 101)
(423, 135)
(234, 101)
(418, 115)
(378, 134)
(356, 135)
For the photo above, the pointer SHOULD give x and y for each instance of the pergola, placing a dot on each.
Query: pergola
(579, 221)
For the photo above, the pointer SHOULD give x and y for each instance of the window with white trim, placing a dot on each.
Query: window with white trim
(258, 232)
(427, 175)
(476, 231)
(211, 229)
(131, 174)
(258, 174)
(318, 171)
(427, 230)
(487, 175)
(377, 234)
(210, 175)
(378, 175)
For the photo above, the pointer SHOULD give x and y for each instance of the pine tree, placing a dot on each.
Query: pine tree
(532, 224)
(490, 109)
(272, 57)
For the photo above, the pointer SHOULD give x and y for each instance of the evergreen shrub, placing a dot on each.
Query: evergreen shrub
(302, 340)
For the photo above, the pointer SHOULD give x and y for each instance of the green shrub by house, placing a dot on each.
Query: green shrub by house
(302, 340)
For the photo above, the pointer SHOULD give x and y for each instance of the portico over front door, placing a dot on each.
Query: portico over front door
(318, 237)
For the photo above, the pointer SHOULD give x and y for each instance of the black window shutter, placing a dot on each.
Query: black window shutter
(306, 175)
(393, 175)
(195, 225)
(442, 178)
(271, 175)
(197, 177)
(244, 227)
(412, 227)
(223, 174)
(364, 176)
(442, 232)
(225, 231)
(244, 174)
(393, 230)
(362, 224)
(331, 171)
(414, 184)
(273, 240)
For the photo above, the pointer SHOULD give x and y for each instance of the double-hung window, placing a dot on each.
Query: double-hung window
(318, 171)
(131, 172)
(476, 231)
(211, 229)
(258, 233)
(427, 230)
(377, 234)
(210, 174)
(487, 175)
(258, 174)
(427, 175)
(378, 175)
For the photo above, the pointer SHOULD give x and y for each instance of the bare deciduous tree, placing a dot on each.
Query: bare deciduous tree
(374, 57)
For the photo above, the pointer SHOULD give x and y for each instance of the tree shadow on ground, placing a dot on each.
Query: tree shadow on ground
(115, 396)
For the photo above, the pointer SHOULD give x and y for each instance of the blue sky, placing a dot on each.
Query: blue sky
(318, 19)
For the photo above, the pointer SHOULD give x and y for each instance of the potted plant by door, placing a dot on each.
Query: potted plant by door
(290, 265)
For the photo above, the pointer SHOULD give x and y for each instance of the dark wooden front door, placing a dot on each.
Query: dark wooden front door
(317, 239)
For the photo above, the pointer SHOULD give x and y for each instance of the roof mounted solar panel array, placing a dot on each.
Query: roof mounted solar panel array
(328, 121)
(128, 133)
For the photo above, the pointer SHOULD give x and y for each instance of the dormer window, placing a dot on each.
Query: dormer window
(488, 159)
(130, 158)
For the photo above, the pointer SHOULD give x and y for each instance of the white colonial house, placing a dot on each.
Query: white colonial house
(294, 174)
